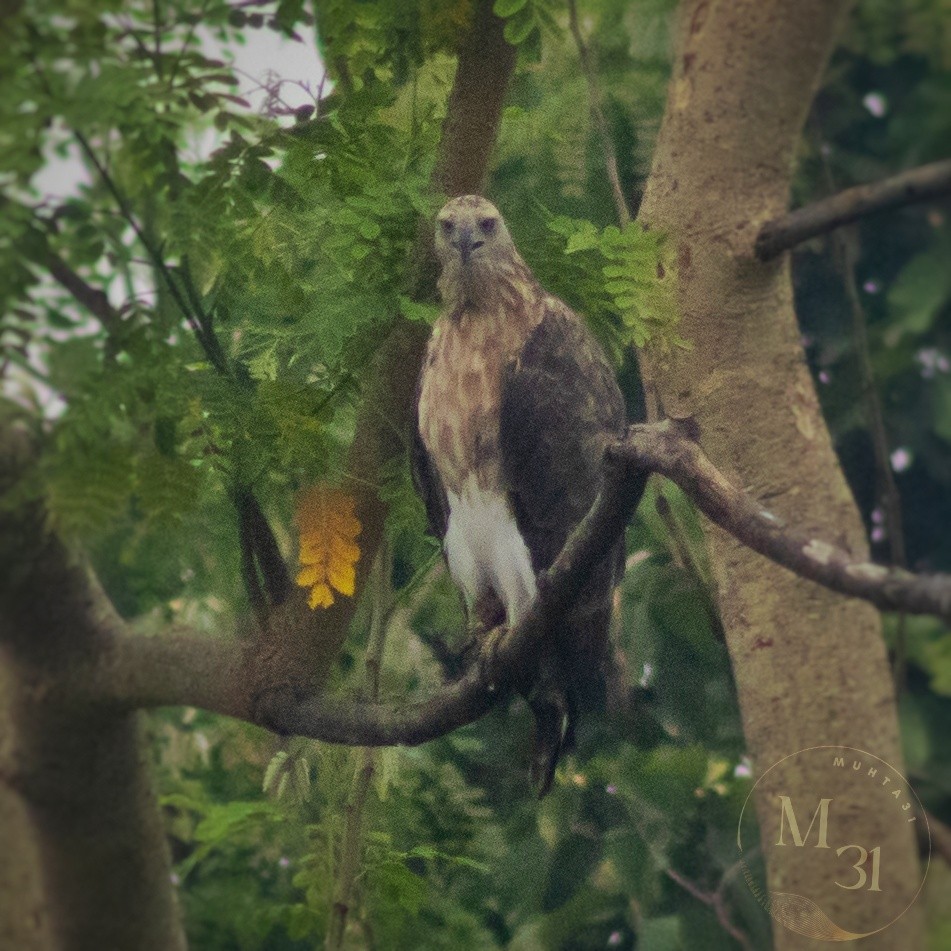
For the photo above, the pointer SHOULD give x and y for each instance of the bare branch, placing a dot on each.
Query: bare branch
(875, 417)
(92, 298)
(714, 900)
(906, 188)
(660, 448)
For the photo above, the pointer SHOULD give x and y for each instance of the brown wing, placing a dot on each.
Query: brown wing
(561, 406)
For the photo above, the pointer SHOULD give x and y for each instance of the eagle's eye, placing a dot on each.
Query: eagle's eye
(446, 226)
(487, 225)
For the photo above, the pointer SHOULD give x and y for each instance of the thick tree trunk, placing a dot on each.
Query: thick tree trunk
(84, 823)
(811, 668)
(24, 919)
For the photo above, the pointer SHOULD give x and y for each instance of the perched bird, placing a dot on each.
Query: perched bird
(515, 405)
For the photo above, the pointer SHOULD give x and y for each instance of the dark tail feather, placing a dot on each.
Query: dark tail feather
(551, 708)
(581, 677)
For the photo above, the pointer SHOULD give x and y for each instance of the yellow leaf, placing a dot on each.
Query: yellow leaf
(320, 597)
(342, 576)
(327, 525)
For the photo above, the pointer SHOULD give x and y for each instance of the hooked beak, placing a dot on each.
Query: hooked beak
(466, 245)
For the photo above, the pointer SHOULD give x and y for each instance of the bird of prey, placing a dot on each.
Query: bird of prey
(515, 405)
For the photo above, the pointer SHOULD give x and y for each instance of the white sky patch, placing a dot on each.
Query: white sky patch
(276, 75)
(267, 64)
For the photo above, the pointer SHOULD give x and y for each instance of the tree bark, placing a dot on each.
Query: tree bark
(486, 63)
(24, 918)
(74, 774)
(810, 666)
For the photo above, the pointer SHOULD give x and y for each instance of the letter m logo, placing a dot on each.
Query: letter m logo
(788, 815)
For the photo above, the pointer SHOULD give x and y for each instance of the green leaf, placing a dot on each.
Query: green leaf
(505, 8)
(583, 240)
(73, 362)
(370, 229)
(414, 310)
(519, 27)
(920, 291)
(402, 887)
(659, 934)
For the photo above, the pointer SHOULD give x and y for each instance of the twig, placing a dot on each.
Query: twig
(876, 424)
(187, 42)
(906, 188)
(715, 901)
(348, 869)
(157, 27)
(844, 247)
(197, 320)
(597, 113)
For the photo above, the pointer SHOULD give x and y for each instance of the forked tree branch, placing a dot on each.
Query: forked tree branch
(662, 449)
(665, 448)
(906, 188)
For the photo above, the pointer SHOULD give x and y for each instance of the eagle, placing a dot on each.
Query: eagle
(515, 405)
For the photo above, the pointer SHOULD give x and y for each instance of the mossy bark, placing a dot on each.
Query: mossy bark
(810, 666)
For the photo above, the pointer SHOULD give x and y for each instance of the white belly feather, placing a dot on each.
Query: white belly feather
(485, 550)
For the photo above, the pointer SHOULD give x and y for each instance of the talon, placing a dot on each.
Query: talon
(487, 657)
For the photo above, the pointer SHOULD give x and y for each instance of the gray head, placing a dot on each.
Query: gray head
(470, 233)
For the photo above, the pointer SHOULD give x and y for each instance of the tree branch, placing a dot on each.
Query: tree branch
(662, 449)
(259, 549)
(92, 298)
(258, 539)
(716, 901)
(143, 672)
(906, 188)
(197, 320)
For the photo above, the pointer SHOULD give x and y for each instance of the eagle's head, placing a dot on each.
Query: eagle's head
(470, 232)
(475, 250)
